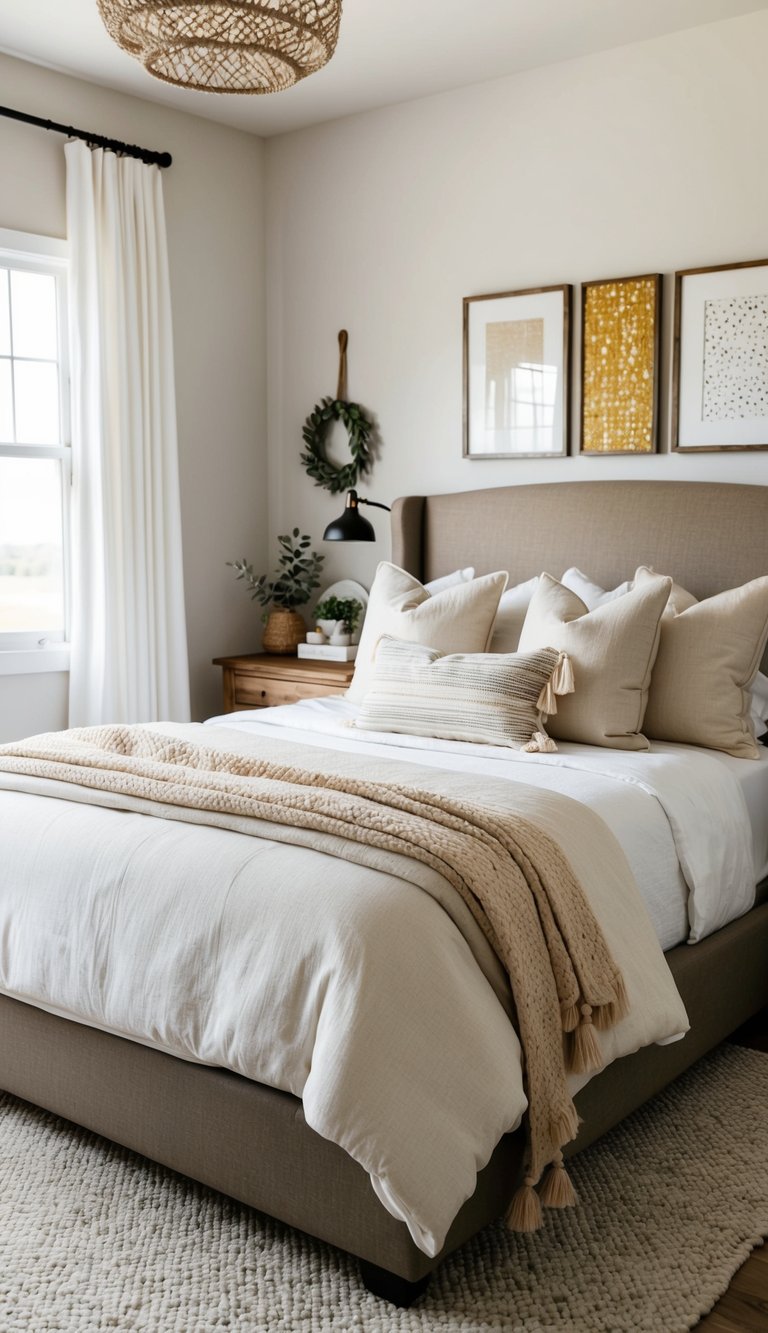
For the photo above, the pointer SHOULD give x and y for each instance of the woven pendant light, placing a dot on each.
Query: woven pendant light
(226, 46)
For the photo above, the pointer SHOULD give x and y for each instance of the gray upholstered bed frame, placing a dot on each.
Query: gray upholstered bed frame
(251, 1141)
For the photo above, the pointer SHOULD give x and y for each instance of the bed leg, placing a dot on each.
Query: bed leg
(390, 1287)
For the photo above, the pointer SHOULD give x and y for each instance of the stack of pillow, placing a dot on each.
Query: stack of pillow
(468, 659)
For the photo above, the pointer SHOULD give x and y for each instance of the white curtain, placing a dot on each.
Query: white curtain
(129, 644)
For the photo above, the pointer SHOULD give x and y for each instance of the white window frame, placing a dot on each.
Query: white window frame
(23, 651)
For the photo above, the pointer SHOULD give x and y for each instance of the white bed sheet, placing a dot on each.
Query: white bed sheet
(752, 777)
(693, 824)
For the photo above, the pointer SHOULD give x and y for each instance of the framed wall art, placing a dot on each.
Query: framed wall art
(516, 354)
(620, 336)
(720, 359)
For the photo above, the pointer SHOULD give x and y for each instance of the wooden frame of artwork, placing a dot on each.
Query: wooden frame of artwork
(516, 357)
(720, 358)
(620, 343)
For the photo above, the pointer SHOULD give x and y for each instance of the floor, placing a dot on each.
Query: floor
(744, 1307)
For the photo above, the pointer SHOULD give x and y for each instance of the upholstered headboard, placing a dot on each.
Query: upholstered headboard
(707, 535)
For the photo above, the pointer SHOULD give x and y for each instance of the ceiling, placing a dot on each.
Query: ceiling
(389, 50)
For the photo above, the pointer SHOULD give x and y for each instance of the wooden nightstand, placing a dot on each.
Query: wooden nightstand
(262, 680)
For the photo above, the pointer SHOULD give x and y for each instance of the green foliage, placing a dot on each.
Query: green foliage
(316, 427)
(295, 579)
(346, 609)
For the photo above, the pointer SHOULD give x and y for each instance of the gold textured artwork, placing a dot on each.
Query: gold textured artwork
(620, 323)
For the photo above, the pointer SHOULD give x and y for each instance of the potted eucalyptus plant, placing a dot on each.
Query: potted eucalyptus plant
(295, 580)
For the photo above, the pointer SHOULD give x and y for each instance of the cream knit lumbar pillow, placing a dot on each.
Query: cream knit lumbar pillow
(708, 658)
(457, 619)
(612, 651)
(488, 698)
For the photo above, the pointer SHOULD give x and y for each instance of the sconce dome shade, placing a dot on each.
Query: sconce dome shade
(350, 527)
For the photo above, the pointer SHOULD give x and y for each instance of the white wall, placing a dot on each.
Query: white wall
(645, 158)
(214, 199)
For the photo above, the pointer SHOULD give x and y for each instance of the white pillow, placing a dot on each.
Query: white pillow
(450, 580)
(457, 620)
(593, 595)
(515, 602)
(510, 616)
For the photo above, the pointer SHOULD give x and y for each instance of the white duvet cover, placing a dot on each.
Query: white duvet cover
(678, 812)
(333, 980)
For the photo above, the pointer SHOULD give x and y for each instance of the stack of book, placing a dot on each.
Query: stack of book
(328, 652)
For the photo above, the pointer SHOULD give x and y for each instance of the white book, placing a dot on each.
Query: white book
(327, 652)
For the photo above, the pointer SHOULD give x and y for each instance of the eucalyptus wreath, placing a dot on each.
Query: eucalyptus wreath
(359, 429)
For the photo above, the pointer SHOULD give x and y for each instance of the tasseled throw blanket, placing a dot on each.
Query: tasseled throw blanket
(515, 880)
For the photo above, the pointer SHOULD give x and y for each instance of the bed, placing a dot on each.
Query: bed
(251, 1140)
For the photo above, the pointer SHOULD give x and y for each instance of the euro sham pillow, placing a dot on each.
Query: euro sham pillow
(708, 657)
(679, 600)
(612, 651)
(487, 698)
(457, 619)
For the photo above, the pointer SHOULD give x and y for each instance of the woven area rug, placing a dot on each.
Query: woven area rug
(93, 1237)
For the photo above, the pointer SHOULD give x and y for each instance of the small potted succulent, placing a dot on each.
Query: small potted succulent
(295, 580)
(337, 618)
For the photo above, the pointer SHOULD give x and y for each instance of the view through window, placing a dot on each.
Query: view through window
(34, 440)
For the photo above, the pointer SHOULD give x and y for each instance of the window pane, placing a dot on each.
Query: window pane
(31, 582)
(33, 310)
(37, 402)
(5, 315)
(6, 404)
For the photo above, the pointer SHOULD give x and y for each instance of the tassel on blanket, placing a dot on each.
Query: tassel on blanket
(524, 1212)
(608, 1015)
(557, 1189)
(540, 743)
(565, 1126)
(560, 682)
(585, 1055)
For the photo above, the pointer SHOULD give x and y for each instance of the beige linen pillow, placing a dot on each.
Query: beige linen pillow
(458, 619)
(488, 698)
(612, 651)
(708, 658)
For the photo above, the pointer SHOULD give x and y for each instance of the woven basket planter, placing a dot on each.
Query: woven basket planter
(226, 46)
(283, 632)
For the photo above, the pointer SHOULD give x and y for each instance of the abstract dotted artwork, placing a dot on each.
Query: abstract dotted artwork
(620, 339)
(735, 379)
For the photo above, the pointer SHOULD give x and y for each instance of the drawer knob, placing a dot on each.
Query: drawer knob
(263, 694)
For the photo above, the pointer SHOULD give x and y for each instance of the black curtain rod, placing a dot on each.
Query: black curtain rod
(146, 155)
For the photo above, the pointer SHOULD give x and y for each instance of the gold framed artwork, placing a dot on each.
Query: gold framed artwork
(720, 358)
(620, 337)
(516, 355)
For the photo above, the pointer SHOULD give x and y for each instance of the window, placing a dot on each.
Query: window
(35, 454)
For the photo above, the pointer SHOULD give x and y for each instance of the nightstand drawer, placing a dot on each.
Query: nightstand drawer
(263, 680)
(261, 692)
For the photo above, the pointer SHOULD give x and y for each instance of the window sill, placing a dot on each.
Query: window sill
(27, 661)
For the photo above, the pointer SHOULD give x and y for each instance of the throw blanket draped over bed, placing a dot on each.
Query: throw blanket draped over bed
(515, 880)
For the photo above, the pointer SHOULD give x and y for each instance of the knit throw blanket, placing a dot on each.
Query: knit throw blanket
(514, 878)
